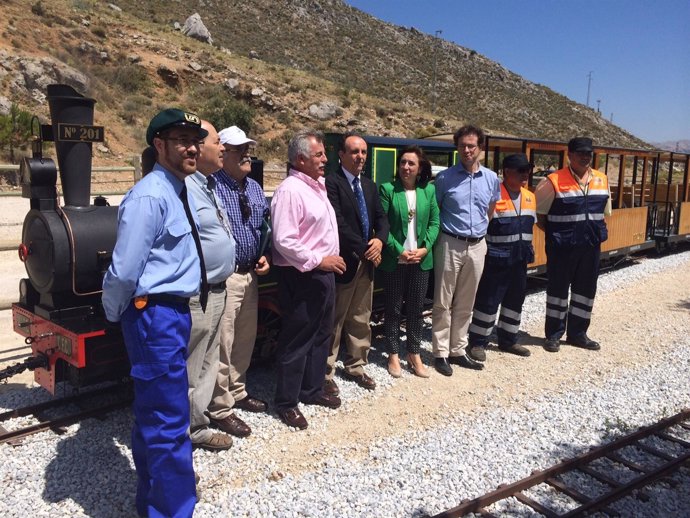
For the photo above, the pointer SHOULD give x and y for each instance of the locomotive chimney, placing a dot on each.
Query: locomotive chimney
(70, 113)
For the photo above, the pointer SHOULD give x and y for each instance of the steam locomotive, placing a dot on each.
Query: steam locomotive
(66, 251)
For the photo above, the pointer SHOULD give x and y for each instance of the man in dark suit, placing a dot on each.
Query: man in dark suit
(362, 229)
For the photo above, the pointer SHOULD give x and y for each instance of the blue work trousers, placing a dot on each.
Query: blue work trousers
(575, 269)
(156, 338)
(501, 285)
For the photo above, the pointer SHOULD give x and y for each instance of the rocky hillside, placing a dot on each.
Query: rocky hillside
(274, 65)
(681, 146)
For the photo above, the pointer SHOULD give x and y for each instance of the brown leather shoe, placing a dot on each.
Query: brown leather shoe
(251, 404)
(293, 418)
(324, 399)
(363, 380)
(216, 442)
(330, 387)
(232, 425)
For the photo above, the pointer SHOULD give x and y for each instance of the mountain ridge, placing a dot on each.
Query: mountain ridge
(316, 63)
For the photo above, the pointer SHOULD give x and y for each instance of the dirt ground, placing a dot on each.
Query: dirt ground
(620, 319)
(633, 324)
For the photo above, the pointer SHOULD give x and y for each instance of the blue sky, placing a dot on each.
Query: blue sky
(637, 51)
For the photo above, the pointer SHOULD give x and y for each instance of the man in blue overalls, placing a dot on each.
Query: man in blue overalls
(571, 206)
(155, 269)
(509, 251)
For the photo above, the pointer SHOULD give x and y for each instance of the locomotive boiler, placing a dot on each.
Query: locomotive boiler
(66, 251)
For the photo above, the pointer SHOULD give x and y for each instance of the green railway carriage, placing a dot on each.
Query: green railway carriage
(383, 154)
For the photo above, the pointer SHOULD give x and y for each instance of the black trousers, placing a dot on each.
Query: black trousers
(504, 285)
(307, 303)
(407, 283)
(577, 269)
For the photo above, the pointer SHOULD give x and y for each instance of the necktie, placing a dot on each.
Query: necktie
(203, 295)
(363, 215)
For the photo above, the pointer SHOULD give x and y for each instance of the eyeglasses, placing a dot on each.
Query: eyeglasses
(245, 208)
(469, 147)
(243, 149)
(185, 142)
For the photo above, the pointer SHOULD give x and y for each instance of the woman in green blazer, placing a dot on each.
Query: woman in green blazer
(413, 215)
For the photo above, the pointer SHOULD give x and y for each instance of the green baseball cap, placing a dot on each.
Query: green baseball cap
(171, 118)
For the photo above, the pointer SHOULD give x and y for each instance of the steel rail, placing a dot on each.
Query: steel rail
(579, 463)
(13, 436)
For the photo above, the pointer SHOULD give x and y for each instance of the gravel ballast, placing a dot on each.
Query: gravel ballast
(412, 447)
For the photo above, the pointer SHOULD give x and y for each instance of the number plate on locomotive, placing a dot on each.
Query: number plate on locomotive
(80, 133)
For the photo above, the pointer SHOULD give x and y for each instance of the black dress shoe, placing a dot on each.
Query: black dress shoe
(324, 399)
(293, 418)
(466, 361)
(251, 404)
(584, 342)
(552, 345)
(362, 380)
(441, 365)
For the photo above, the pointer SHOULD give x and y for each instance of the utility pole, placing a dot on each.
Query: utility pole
(611, 119)
(433, 87)
(598, 103)
(589, 84)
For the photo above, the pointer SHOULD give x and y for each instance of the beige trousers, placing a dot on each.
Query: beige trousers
(458, 266)
(352, 314)
(237, 337)
(202, 361)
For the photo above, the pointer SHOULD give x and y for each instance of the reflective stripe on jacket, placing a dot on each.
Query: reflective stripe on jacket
(509, 236)
(576, 216)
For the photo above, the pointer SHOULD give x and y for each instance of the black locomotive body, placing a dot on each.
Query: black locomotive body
(66, 251)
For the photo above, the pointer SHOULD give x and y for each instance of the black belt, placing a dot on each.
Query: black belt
(243, 269)
(217, 286)
(464, 238)
(164, 297)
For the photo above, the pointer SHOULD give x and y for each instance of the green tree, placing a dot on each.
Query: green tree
(15, 132)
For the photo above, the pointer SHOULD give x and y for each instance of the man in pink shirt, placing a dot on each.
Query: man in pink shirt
(305, 253)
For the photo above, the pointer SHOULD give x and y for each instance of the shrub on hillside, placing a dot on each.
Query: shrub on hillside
(216, 105)
(132, 79)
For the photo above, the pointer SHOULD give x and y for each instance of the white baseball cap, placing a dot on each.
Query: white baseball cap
(234, 136)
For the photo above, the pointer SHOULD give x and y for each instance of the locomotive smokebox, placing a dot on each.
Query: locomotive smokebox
(72, 118)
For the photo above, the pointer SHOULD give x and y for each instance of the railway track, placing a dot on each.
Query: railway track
(661, 449)
(94, 403)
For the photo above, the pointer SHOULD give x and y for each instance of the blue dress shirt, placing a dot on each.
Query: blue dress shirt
(247, 233)
(217, 243)
(464, 199)
(154, 251)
